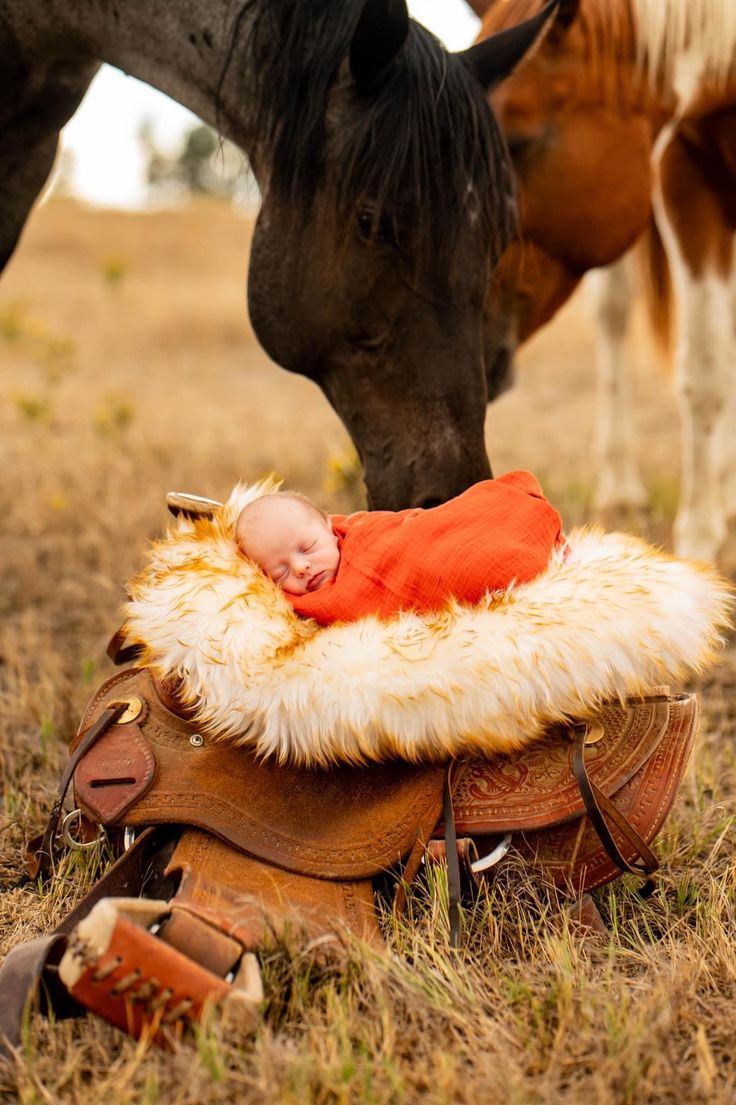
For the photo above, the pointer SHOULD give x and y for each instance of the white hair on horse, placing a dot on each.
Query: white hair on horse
(702, 32)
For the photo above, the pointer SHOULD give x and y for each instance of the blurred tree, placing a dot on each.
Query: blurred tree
(195, 162)
(205, 165)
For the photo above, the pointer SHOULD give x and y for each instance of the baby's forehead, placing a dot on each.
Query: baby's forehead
(280, 508)
(275, 513)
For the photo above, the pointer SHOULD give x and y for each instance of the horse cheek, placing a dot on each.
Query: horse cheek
(588, 198)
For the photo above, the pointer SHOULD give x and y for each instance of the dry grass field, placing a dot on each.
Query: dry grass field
(128, 368)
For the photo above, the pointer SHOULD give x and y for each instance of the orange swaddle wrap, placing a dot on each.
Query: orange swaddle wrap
(497, 532)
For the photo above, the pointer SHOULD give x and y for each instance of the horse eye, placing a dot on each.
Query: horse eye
(520, 144)
(374, 226)
(365, 223)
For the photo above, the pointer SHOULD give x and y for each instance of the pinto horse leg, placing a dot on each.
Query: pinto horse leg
(619, 487)
(35, 103)
(728, 449)
(698, 240)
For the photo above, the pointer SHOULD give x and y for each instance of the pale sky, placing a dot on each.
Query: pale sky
(102, 136)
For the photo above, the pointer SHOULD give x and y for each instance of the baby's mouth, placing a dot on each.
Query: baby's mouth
(315, 581)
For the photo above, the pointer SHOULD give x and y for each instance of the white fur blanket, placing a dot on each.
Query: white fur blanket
(614, 619)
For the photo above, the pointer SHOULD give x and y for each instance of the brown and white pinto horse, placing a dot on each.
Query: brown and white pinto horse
(629, 103)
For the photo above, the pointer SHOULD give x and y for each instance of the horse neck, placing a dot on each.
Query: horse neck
(182, 48)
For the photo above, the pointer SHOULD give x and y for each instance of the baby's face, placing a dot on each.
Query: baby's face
(293, 545)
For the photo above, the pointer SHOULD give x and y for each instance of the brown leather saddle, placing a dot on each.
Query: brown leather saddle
(226, 853)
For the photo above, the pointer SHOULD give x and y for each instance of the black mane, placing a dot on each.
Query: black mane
(423, 140)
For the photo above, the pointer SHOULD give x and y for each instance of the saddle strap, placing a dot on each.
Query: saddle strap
(40, 863)
(599, 807)
(20, 982)
(120, 651)
(454, 885)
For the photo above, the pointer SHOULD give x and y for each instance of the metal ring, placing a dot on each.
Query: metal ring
(493, 857)
(71, 840)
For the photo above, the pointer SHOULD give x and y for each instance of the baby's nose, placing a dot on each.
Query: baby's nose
(301, 567)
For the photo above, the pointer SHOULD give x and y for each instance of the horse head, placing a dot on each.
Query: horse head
(386, 203)
(575, 118)
(387, 192)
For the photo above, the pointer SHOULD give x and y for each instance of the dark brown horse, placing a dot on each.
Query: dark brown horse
(385, 184)
(627, 102)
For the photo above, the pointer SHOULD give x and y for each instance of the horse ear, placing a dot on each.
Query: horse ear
(381, 32)
(496, 57)
(567, 13)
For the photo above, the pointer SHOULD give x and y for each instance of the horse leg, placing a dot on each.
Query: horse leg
(698, 240)
(619, 485)
(35, 103)
(728, 445)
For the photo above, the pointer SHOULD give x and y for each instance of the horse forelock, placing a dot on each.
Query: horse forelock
(422, 144)
(428, 151)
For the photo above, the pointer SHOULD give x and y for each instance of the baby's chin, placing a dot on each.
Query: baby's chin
(327, 577)
(322, 580)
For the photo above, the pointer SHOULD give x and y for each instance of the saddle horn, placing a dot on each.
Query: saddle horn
(191, 506)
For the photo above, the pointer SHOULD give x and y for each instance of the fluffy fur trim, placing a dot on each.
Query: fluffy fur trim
(612, 620)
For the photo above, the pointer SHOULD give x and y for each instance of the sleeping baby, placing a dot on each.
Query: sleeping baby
(336, 568)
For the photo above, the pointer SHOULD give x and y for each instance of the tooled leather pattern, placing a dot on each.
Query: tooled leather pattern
(480, 790)
(572, 853)
(535, 788)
